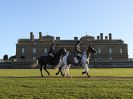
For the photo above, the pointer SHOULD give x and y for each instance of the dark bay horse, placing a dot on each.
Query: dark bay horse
(70, 59)
(48, 60)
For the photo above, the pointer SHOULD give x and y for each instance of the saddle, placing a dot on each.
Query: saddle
(79, 58)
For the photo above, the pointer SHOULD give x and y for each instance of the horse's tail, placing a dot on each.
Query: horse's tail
(35, 64)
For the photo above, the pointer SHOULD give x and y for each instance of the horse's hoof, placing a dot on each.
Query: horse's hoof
(83, 72)
(69, 76)
(42, 76)
(48, 74)
(62, 75)
(56, 74)
(89, 76)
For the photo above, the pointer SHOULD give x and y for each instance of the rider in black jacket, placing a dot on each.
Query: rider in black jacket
(78, 51)
(51, 51)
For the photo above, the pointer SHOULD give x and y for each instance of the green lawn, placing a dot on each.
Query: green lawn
(115, 72)
(27, 84)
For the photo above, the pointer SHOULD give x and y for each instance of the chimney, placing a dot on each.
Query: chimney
(31, 36)
(98, 37)
(110, 36)
(40, 36)
(57, 38)
(101, 36)
(75, 38)
(106, 37)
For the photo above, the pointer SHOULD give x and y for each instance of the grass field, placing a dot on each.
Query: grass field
(104, 84)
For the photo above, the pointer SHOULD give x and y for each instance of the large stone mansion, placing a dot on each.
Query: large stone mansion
(108, 49)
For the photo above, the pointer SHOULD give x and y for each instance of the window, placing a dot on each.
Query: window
(34, 58)
(34, 50)
(22, 50)
(121, 50)
(45, 50)
(99, 50)
(110, 58)
(110, 50)
(99, 58)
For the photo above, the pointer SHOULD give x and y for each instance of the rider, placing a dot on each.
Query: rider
(78, 51)
(51, 51)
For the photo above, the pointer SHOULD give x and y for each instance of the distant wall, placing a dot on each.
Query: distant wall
(28, 65)
(112, 64)
(16, 65)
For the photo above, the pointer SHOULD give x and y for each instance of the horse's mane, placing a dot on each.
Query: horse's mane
(58, 53)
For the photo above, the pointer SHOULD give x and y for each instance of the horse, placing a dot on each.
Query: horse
(12, 58)
(70, 59)
(44, 61)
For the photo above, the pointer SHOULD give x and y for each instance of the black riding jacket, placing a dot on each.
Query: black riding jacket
(51, 50)
(77, 49)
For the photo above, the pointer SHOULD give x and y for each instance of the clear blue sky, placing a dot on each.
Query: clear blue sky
(64, 18)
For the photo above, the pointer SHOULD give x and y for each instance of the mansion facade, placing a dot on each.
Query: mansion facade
(108, 49)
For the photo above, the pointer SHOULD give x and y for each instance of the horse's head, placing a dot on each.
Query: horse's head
(91, 50)
(62, 52)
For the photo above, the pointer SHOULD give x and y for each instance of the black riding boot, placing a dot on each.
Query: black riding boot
(79, 58)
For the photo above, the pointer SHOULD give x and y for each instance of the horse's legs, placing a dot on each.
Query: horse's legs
(46, 69)
(58, 66)
(41, 70)
(64, 70)
(62, 73)
(59, 70)
(67, 70)
(88, 75)
(86, 70)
